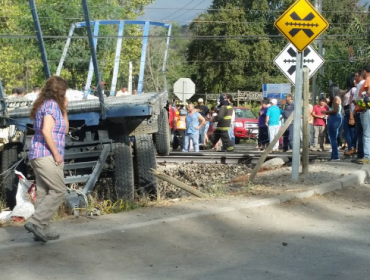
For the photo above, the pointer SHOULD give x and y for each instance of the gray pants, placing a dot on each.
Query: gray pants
(319, 136)
(311, 133)
(51, 190)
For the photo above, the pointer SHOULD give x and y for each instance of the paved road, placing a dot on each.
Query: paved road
(326, 238)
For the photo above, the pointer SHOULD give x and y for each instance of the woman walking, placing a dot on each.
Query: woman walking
(46, 155)
(334, 120)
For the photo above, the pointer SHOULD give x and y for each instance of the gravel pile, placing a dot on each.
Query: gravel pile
(232, 179)
(207, 178)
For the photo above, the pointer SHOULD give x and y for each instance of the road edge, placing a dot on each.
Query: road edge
(355, 179)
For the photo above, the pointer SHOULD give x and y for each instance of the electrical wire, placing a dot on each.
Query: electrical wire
(196, 37)
(179, 9)
(193, 7)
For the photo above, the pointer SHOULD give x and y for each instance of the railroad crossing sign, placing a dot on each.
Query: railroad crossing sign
(286, 61)
(184, 88)
(301, 24)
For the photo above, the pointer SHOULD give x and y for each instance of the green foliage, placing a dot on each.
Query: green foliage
(21, 62)
(175, 68)
(240, 55)
(347, 29)
(242, 43)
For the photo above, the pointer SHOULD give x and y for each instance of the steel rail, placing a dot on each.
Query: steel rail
(219, 157)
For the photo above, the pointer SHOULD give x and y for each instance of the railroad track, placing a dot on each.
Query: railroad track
(220, 157)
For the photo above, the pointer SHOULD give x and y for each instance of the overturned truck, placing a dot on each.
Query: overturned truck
(115, 137)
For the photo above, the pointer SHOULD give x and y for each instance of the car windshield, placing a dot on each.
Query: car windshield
(244, 113)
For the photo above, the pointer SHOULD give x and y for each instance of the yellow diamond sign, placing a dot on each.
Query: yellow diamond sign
(301, 24)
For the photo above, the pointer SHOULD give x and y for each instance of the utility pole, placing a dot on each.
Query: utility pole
(129, 89)
(296, 157)
(306, 137)
(318, 7)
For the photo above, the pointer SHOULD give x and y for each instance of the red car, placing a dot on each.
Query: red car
(245, 125)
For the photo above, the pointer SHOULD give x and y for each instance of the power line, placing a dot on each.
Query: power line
(196, 37)
(193, 7)
(179, 9)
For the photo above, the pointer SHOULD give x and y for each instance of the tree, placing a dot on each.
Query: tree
(231, 48)
(176, 62)
(22, 56)
(346, 32)
(235, 42)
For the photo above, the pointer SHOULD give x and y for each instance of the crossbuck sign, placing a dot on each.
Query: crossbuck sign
(286, 61)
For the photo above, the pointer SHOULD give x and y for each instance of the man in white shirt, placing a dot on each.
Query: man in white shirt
(34, 94)
(122, 92)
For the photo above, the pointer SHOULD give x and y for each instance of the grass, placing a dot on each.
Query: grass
(217, 189)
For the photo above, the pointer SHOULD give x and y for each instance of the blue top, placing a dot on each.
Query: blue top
(192, 122)
(262, 117)
(274, 113)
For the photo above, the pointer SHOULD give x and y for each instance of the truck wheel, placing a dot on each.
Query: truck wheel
(145, 161)
(123, 176)
(237, 140)
(163, 136)
(9, 180)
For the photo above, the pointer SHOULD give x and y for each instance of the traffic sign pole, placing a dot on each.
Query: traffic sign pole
(301, 24)
(297, 117)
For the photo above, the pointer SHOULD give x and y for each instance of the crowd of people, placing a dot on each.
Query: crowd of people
(341, 119)
(190, 125)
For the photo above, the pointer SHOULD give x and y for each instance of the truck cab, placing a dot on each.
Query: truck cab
(245, 125)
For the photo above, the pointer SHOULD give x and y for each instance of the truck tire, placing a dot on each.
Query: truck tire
(163, 136)
(237, 140)
(123, 175)
(9, 180)
(145, 161)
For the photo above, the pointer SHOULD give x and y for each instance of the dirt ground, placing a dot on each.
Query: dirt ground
(218, 180)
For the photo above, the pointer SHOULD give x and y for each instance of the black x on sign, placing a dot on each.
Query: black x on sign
(301, 24)
(304, 25)
(286, 61)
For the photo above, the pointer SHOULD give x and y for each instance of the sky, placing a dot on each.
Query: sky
(180, 11)
(174, 10)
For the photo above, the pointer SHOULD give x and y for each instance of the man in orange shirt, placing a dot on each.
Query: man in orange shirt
(365, 116)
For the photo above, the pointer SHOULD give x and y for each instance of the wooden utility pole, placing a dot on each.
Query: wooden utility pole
(306, 136)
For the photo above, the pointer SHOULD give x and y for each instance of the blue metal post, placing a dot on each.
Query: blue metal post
(121, 28)
(143, 57)
(93, 56)
(40, 39)
(65, 50)
(2, 93)
(90, 74)
(164, 68)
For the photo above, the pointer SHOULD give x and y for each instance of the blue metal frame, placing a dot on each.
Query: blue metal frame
(113, 87)
(164, 67)
(64, 54)
(121, 24)
(92, 45)
(91, 65)
(2, 93)
(90, 118)
(143, 58)
(40, 39)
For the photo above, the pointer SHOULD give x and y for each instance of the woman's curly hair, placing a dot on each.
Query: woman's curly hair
(55, 88)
